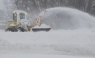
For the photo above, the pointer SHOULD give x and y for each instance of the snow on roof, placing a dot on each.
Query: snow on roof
(19, 11)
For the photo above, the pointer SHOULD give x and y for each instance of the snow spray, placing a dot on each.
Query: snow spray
(67, 18)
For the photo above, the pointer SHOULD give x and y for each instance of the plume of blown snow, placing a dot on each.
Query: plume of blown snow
(67, 18)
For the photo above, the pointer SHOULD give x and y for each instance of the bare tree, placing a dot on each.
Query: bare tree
(39, 5)
(89, 5)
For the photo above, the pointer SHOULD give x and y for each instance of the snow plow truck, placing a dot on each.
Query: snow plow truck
(21, 23)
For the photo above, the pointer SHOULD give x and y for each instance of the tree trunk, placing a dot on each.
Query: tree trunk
(89, 6)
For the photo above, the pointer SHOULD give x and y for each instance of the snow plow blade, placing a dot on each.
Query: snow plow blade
(41, 29)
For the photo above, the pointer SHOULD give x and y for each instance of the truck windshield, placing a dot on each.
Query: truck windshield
(22, 16)
(14, 16)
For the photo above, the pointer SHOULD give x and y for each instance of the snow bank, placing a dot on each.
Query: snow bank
(60, 42)
(67, 18)
(25, 55)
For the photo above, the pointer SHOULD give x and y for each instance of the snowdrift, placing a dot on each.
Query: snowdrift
(61, 42)
(27, 55)
(67, 18)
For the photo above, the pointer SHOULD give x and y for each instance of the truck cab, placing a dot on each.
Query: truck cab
(18, 22)
(19, 16)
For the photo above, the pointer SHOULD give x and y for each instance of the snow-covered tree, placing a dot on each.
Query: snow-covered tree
(2, 15)
(9, 7)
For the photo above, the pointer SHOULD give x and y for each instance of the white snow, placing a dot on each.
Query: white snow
(38, 56)
(67, 18)
(42, 26)
(80, 42)
(12, 24)
(19, 11)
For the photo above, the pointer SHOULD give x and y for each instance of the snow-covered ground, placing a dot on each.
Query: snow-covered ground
(18, 55)
(80, 42)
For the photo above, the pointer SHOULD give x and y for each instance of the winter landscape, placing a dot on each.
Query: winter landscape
(72, 34)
